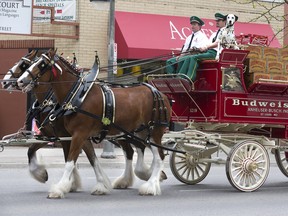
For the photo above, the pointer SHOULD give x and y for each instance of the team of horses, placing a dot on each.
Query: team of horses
(139, 120)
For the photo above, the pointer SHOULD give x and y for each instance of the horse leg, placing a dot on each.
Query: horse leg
(142, 170)
(76, 184)
(152, 186)
(65, 184)
(127, 178)
(103, 184)
(38, 171)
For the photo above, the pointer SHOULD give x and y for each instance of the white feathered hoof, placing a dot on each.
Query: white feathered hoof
(55, 193)
(149, 188)
(40, 174)
(100, 189)
(122, 183)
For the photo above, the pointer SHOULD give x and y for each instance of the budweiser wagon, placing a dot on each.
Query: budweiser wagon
(226, 112)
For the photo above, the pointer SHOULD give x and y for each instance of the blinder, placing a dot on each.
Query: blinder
(43, 66)
(24, 65)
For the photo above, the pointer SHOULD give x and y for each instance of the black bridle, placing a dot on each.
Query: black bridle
(23, 64)
(42, 66)
(45, 63)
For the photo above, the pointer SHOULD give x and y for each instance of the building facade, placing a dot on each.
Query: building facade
(89, 33)
(93, 20)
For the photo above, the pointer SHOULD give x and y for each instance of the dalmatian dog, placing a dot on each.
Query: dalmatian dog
(226, 36)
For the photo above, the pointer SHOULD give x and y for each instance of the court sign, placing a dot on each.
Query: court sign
(15, 16)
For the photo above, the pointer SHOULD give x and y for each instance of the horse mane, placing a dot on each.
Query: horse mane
(69, 65)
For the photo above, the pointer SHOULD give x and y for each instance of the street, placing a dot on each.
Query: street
(22, 195)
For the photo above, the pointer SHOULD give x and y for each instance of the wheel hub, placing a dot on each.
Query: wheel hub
(191, 161)
(250, 166)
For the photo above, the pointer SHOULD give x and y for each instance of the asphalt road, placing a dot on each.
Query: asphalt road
(22, 195)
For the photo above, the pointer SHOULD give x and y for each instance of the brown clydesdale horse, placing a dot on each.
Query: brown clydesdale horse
(137, 112)
(56, 130)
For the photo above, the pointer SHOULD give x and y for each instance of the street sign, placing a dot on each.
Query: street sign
(15, 16)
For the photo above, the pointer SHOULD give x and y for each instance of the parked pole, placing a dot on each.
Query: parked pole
(108, 147)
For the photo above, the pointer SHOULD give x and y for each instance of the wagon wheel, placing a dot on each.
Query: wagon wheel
(187, 169)
(247, 166)
(281, 161)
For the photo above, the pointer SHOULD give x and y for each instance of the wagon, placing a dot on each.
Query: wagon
(221, 119)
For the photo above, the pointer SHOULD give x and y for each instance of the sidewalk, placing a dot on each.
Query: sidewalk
(16, 157)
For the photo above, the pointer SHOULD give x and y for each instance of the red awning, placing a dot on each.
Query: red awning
(141, 36)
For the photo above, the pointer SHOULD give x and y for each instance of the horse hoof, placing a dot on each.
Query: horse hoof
(40, 174)
(54, 195)
(120, 186)
(149, 189)
(123, 183)
(163, 176)
(100, 189)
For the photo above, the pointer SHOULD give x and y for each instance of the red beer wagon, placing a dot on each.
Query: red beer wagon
(221, 113)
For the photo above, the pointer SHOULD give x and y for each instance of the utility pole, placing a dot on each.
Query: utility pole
(108, 147)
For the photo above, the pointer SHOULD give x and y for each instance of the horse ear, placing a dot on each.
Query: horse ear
(50, 52)
(53, 52)
(31, 53)
(236, 18)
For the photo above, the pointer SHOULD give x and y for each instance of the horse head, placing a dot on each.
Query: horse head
(39, 71)
(9, 80)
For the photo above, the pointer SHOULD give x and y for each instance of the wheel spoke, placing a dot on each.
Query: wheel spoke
(181, 156)
(189, 171)
(197, 171)
(250, 152)
(182, 167)
(180, 162)
(200, 167)
(185, 168)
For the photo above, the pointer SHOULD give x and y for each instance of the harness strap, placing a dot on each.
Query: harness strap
(108, 116)
(128, 134)
(162, 109)
(37, 108)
